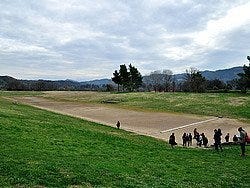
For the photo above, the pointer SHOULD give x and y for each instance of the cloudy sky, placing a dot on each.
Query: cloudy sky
(89, 39)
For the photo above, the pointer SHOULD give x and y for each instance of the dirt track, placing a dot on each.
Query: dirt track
(157, 125)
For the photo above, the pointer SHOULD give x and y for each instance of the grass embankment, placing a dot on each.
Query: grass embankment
(41, 148)
(232, 105)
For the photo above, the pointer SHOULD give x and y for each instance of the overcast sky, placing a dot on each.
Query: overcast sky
(89, 39)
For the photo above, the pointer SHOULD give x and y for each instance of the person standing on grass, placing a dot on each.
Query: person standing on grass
(242, 140)
(217, 139)
(227, 137)
(172, 140)
(118, 124)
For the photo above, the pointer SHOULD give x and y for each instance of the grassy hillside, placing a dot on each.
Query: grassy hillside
(233, 105)
(40, 148)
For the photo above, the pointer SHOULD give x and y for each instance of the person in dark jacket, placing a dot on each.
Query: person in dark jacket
(184, 139)
(118, 124)
(172, 140)
(190, 137)
(235, 139)
(217, 139)
(227, 137)
(204, 140)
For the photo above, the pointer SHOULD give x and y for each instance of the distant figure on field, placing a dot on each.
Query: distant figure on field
(190, 137)
(184, 139)
(187, 139)
(204, 140)
(217, 139)
(235, 139)
(227, 137)
(172, 140)
(118, 124)
(242, 140)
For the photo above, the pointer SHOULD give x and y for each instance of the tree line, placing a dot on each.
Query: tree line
(165, 81)
(12, 84)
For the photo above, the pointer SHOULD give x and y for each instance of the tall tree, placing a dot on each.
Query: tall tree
(244, 80)
(117, 79)
(135, 78)
(129, 79)
(194, 81)
(155, 79)
(167, 79)
(124, 74)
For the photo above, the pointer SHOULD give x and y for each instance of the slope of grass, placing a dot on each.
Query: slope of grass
(40, 148)
(232, 105)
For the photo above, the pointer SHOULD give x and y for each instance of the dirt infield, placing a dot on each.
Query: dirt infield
(158, 125)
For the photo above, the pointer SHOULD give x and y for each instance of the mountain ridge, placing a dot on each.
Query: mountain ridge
(224, 75)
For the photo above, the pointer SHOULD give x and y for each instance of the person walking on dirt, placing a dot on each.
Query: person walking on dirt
(118, 124)
(217, 139)
(172, 140)
(242, 140)
(227, 137)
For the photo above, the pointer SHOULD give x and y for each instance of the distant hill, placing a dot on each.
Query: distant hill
(5, 80)
(224, 75)
(99, 82)
(9, 82)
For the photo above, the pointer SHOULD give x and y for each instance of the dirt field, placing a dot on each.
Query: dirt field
(158, 125)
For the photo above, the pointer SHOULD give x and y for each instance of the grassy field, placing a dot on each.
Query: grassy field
(232, 105)
(40, 148)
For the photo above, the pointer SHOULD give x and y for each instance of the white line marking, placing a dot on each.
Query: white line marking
(200, 122)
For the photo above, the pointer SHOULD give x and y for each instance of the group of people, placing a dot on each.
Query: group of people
(201, 139)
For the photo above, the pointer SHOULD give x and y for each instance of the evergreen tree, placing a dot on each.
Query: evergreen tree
(124, 74)
(135, 78)
(130, 80)
(244, 80)
(117, 79)
(194, 81)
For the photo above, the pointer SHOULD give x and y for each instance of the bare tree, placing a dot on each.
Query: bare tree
(167, 79)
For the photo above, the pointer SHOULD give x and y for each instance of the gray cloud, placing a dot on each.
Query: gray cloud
(83, 40)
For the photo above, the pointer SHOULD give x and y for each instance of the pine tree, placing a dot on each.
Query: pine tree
(244, 80)
(130, 80)
(135, 78)
(117, 79)
(124, 74)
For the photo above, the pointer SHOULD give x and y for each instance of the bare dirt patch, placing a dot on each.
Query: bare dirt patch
(146, 123)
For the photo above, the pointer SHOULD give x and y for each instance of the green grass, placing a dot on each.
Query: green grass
(232, 105)
(41, 148)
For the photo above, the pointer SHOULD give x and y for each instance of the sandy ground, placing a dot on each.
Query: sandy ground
(158, 125)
